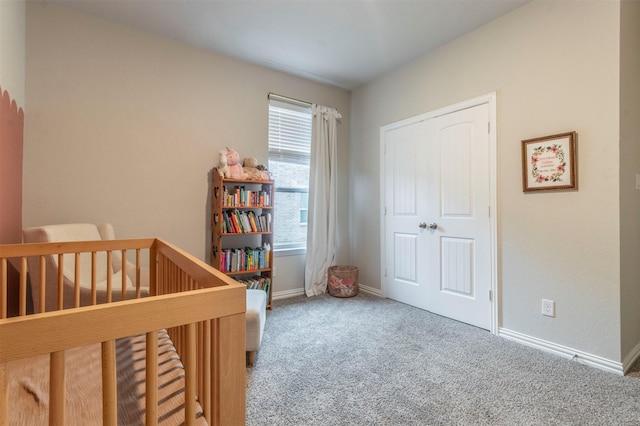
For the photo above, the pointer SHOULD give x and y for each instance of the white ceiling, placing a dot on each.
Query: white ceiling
(339, 42)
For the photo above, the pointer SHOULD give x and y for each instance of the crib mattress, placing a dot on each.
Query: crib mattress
(28, 381)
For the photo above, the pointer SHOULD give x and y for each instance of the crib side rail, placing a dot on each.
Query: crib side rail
(201, 274)
(32, 335)
(50, 290)
(36, 249)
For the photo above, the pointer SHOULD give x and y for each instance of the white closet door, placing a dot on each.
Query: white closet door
(437, 225)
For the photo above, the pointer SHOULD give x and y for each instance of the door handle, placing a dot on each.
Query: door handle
(432, 226)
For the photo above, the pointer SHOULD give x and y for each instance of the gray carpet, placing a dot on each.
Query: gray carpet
(372, 361)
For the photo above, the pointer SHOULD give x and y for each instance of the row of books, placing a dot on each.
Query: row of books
(239, 196)
(239, 222)
(257, 282)
(245, 259)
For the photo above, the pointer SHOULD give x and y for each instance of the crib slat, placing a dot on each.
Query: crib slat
(3, 288)
(151, 400)
(199, 360)
(199, 355)
(109, 384)
(206, 368)
(76, 280)
(109, 284)
(138, 267)
(56, 388)
(94, 289)
(190, 375)
(43, 285)
(153, 271)
(4, 394)
(123, 294)
(23, 286)
(60, 281)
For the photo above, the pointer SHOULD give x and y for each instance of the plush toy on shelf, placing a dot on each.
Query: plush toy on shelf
(235, 168)
(254, 170)
(223, 168)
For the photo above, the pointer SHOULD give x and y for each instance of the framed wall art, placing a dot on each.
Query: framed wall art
(549, 163)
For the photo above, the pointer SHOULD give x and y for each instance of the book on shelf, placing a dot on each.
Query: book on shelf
(240, 222)
(240, 196)
(245, 259)
(257, 282)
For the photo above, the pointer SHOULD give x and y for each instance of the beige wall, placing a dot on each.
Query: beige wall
(629, 166)
(12, 90)
(124, 127)
(12, 50)
(555, 68)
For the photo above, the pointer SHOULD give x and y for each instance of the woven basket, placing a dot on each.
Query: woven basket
(343, 281)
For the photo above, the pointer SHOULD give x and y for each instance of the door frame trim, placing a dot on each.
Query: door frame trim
(490, 100)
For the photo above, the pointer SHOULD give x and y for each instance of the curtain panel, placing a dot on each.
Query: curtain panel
(323, 188)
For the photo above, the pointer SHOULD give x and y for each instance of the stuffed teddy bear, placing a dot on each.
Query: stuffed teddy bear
(235, 168)
(223, 168)
(249, 167)
(253, 170)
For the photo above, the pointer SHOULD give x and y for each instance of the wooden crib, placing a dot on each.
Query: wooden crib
(201, 310)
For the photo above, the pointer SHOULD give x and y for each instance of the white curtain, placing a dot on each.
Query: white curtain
(323, 189)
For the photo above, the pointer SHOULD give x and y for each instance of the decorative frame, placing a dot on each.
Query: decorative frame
(550, 163)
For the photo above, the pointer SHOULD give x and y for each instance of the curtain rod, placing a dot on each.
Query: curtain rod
(288, 99)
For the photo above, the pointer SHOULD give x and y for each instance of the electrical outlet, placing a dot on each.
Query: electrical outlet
(548, 308)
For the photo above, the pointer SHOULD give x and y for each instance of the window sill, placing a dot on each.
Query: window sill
(290, 252)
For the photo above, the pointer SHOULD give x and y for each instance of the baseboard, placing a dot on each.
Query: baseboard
(300, 291)
(631, 358)
(370, 290)
(565, 352)
(287, 293)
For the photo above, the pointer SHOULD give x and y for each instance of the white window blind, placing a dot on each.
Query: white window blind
(289, 132)
(289, 157)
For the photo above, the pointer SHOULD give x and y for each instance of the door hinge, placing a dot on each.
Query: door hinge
(385, 210)
(385, 272)
(490, 295)
(489, 211)
(489, 127)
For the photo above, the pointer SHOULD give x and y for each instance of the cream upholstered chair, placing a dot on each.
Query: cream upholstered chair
(256, 316)
(79, 232)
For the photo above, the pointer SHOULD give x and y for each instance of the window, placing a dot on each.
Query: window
(289, 156)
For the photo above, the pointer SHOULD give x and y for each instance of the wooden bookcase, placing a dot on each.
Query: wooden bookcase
(242, 230)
